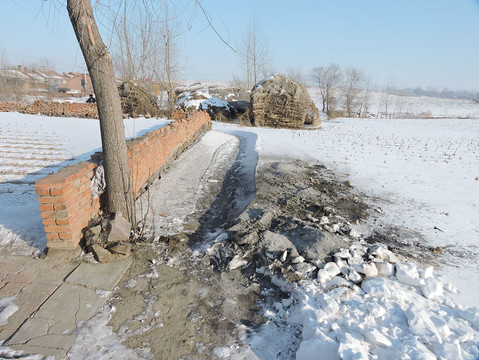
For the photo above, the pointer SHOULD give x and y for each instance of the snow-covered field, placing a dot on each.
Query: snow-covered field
(388, 105)
(426, 172)
(422, 174)
(32, 147)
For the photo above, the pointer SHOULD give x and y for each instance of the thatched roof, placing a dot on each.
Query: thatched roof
(278, 101)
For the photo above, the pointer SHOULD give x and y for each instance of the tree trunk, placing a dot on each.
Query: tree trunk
(98, 60)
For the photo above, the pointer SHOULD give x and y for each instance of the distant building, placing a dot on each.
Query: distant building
(24, 79)
(51, 78)
(15, 79)
(78, 82)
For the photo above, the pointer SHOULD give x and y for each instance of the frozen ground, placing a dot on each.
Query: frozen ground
(423, 172)
(419, 175)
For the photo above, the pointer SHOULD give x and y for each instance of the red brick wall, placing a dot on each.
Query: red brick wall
(66, 203)
(52, 108)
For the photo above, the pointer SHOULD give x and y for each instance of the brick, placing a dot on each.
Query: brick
(46, 207)
(52, 236)
(42, 192)
(66, 221)
(58, 229)
(62, 191)
(50, 199)
(67, 236)
(49, 221)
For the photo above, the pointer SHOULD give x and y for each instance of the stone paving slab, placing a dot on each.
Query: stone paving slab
(19, 317)
(70, 304)
(99, 276)
(9, 268)
(52, 298)
(11, 288)
(45, 351)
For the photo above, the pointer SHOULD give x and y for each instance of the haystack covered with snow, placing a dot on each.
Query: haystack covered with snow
(218, 109)
(278, 101)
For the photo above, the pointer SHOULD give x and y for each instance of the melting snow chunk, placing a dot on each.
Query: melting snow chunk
(376, 286)
(432, 288)
(407, 274)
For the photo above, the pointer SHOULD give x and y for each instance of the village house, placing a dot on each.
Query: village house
(15, 79)
(24, 79)
(78, 83)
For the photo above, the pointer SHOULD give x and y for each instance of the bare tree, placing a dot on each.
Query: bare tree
(171, 63)
(353, 79)
(254, 53)
(366, 98)
(98, 60)
(145, 44)
(327, 79)
(297, 74)
(384, 102)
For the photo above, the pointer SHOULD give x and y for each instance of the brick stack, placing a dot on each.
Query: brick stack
(52, 108)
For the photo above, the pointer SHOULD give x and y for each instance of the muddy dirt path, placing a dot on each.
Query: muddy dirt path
(202, 293)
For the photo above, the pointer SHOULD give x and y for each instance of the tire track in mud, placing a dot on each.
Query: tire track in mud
(194, 310)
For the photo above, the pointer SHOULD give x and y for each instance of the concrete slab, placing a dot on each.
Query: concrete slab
(6, 333)
(54, 341)
(32, 328)
(39, 288)
(70, 304)
(19, 317)
(33, 350)
(9, 268)
(20, 277)
(54, 275)
(62, 329)
(11, 289)
(99, 276)
(31, 298)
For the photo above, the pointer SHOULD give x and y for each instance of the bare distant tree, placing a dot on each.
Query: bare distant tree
(297, 74)
(353, 80)
(3, 60)
(327, 79)
(366, 98)
(254, 53)
(171, 63)
(384, 102)
(145, 43)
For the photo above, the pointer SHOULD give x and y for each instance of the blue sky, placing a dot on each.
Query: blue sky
(404, 43)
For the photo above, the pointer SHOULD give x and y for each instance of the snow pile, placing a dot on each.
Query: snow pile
(363, 306)
(366, 303)
(200, 100)
(260, 83)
